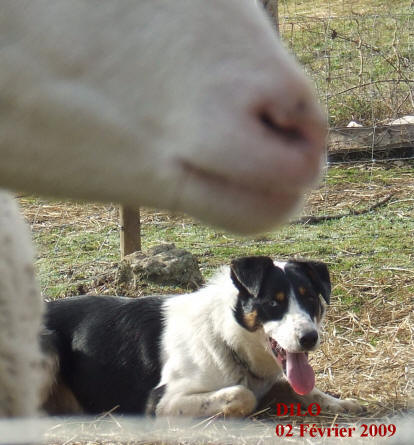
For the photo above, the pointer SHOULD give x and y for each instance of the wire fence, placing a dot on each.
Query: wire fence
(361, 61)
(361, 58)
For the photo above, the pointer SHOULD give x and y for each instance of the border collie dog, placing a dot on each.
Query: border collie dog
(215, 351)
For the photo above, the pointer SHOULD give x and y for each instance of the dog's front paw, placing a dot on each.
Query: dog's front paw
(349, 406)
(236, 401)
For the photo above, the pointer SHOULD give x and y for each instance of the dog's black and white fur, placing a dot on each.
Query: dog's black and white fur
(218, 350)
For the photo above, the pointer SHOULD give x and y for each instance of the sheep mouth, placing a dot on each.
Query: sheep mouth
(270, 194)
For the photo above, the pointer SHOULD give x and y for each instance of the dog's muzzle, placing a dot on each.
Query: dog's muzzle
(296, 367)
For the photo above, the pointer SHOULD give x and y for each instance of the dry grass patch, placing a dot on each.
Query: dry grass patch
(368, 347)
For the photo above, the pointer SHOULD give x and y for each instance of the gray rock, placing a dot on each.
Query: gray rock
(165, 264)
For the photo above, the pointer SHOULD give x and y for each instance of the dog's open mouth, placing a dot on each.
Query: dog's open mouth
(295, 365)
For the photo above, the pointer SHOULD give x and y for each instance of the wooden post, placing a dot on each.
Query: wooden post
(271, 7)
(130, 223)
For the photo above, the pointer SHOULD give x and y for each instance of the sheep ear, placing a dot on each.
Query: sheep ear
(248, 273)
(318, 273)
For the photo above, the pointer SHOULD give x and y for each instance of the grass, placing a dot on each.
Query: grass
(360, 55)
(369, 337)
(341, 7)
(75, 241)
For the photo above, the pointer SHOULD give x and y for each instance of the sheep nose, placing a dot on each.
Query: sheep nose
(309, 339)
(296, 126)
(302, 121)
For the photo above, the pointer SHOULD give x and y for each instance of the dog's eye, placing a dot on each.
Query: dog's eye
(273, 303)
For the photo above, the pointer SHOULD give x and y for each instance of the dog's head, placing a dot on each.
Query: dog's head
(287, 301)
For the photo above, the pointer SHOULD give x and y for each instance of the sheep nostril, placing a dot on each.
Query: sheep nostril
(287, 130)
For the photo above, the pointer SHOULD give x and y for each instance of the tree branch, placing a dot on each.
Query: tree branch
(322, 218)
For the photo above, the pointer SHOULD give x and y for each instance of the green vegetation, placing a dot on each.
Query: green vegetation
(82, 242)
(359, 53)
(371, 259)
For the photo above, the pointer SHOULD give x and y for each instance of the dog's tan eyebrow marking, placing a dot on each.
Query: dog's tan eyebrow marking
(250, 320)
(280, 296)
(302, 290)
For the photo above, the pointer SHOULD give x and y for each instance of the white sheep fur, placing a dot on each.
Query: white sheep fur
(20, 312)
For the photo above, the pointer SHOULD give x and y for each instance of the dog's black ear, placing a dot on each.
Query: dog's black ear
(318, 273)
(248, 273)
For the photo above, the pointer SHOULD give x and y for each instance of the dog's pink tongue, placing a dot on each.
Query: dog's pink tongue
(299, 372)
